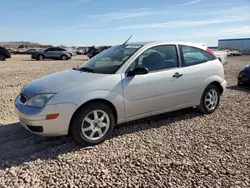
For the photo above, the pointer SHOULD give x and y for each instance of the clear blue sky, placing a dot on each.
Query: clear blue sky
(109, 22)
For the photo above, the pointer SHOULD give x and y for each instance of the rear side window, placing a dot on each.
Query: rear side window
(194, 56)
(50, 49)
(58, 49)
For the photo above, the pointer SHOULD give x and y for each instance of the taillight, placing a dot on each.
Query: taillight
(210, 52)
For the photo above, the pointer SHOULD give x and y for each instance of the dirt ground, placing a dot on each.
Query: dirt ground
(180, 149)
(19, 71)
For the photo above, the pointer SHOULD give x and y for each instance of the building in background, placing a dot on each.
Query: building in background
(213, 47)
(241, 44)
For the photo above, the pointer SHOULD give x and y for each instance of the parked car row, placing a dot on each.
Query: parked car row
(233, 53)
(23, 51)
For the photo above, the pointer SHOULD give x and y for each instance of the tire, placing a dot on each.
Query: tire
(2, 58)
(64, 57)
(214, 101)
(40, 57)
(85, 118)
(240, 84)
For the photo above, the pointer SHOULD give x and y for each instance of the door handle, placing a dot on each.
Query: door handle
(177, 75)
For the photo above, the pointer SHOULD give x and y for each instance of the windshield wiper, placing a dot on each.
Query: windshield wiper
(86, 69)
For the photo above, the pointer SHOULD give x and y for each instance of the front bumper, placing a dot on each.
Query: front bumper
(8, 56)
(34, 119)
(243, 79)
(33, 56)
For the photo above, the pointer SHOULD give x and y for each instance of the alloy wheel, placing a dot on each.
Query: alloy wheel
(95, 125)
(211, 99)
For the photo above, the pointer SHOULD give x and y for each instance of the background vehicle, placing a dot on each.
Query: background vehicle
(72, 52)
(52, 53)
(30, 51)
(4, 54)
(123, 83)
(236, 53)
(222, 56)
(92, 51)
(229, 53)
(244, 76)
(81, 52)
(12, 51)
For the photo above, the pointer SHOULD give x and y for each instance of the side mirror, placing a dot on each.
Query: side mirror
(138, 71)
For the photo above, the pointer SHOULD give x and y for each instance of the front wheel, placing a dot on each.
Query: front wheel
(93, 124)
(2, 58)
(64, 57)
(210, 100)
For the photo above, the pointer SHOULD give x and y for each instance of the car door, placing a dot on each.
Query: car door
(196, 63)
(49, 53)
(162, 88)
(59, 52)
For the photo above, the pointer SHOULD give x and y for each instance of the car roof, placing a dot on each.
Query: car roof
(145, 43)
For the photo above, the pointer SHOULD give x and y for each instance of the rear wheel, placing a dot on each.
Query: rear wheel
(210, 99)
(93, 124)
(2, 58)
(64, 57)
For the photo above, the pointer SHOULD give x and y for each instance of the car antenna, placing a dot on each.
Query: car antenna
(127, 40)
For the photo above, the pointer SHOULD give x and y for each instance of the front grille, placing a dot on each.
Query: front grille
(23, 99)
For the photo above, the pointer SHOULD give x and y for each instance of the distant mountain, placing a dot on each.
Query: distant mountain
(23, 44)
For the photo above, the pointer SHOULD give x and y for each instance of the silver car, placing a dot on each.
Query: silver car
(123, 83)
(52, 53)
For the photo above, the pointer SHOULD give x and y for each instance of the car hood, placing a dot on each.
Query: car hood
(60, 81)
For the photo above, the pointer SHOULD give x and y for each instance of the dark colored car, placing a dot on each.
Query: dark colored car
(244, 76)
(4, 54)
(51, 53)
(30, 51)
(92, 51)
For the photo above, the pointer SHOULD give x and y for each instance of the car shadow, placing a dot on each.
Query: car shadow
(19, 146)
(237, 88)
(35, 60)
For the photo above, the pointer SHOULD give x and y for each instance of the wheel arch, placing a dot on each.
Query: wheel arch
(64, 55)
(216, 83)
(214, 80)
(41, 55)
(98, 100)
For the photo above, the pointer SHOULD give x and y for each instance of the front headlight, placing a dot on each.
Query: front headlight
(39, 100)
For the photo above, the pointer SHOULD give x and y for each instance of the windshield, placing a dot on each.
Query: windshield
(110, 60)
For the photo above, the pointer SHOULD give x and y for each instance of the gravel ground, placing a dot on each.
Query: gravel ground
(180, 149)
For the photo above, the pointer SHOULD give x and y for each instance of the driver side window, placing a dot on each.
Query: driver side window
(157, 58)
